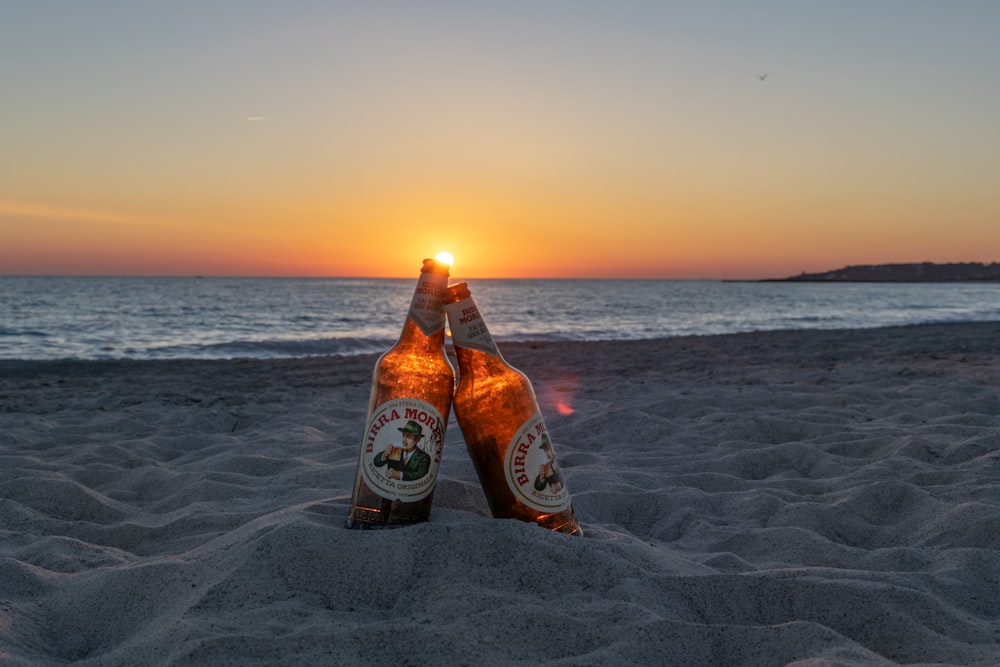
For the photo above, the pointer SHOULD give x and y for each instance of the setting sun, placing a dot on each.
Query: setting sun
(445, 257)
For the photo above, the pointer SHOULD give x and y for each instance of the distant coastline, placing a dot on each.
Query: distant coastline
(919, 272)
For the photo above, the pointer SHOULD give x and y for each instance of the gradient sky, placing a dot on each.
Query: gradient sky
(531, 139)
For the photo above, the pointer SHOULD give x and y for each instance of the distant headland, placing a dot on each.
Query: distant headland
(921, 272)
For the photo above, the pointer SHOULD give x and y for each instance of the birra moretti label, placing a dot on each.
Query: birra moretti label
(402, 449)
(532, 470)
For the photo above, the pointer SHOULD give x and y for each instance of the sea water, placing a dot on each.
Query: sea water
(221, 318)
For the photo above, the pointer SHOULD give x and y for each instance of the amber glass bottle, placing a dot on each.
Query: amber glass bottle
(496, 408)
(412, 387)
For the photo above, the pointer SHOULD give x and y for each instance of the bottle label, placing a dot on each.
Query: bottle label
(468, 328)
(426, 308)
(532, 470)
(402, 449)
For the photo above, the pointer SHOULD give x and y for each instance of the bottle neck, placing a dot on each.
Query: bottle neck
(426, 312)
(468, 328)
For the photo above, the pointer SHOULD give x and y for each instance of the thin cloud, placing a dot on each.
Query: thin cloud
(12, 209)
(253, 119)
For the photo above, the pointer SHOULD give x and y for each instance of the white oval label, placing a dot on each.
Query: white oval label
(402, 449)
(532, 470)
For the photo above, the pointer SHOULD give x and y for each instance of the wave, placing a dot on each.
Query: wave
(23, 332)
(269, 349)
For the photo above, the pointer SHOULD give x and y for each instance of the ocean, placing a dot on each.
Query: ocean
(223, 318)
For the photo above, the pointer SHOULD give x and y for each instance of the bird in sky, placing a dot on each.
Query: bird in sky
(763, 76)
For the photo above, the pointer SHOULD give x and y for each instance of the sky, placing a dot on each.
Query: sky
(562, 138)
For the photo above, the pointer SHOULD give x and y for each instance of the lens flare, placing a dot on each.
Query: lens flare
(444, 257)
(560, 394)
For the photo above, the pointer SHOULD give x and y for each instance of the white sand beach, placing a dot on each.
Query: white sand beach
(786, 498)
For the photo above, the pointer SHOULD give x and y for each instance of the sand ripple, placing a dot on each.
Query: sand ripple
(794, 498)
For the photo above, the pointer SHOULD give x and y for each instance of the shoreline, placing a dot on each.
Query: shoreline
(751, 498)
(512, 346)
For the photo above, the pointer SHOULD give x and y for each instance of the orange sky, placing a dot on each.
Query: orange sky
(616, 140)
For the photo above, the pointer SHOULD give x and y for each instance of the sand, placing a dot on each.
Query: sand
(785, 498)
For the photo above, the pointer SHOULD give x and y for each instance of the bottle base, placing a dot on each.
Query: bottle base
(571, 530)
(560, 522)
(572, 527)
(367, 519)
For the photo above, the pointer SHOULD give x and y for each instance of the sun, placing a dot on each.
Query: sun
(444, 257)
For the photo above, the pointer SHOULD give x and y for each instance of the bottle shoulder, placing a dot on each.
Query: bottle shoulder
(412, 340)
(416, 354)
(484, 362)
(481, 374)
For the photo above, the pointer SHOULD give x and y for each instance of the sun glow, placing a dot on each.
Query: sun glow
(444, 257)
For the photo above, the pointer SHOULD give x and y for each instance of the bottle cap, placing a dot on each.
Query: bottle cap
(433, 266)
(456, 292)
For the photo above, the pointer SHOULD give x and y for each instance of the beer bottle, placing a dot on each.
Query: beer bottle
(411, 393)
(497, 411)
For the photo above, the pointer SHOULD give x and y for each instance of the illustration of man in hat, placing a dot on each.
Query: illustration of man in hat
(549, 473)
(407, 461)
